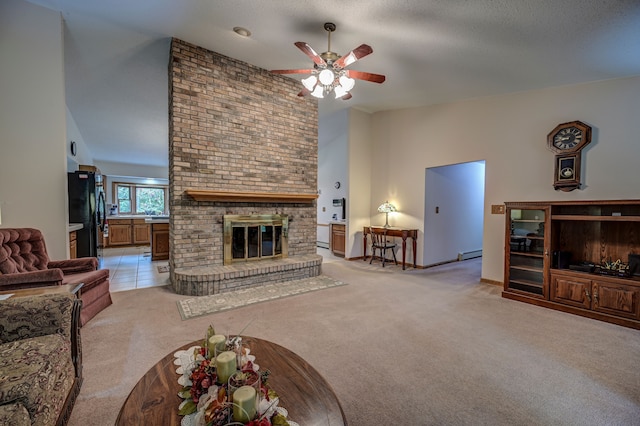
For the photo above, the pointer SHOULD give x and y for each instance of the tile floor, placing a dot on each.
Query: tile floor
(131, 268)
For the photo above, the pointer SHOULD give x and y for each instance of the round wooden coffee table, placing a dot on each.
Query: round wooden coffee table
(305, 394)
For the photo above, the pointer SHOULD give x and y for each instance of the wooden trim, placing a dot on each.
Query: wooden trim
(492, 282)
(625, 322)
(243, 197)
(517, 204)
(596, 218)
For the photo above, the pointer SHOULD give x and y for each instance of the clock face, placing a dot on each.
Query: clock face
(568, 138)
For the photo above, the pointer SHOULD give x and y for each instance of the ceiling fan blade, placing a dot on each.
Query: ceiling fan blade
(310, 52)
(346, 97)
(361, 75)
(304, 92)
(307, 71)
(357, 53)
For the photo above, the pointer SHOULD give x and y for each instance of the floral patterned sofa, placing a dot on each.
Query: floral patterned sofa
(40, 359)
(24, 263)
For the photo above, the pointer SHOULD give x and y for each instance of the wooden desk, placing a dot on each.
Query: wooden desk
(305, 394)
(394, 232)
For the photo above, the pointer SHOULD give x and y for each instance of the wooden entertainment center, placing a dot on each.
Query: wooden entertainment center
(564, 255)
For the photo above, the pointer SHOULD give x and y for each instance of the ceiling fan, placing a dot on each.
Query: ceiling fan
(328, 73)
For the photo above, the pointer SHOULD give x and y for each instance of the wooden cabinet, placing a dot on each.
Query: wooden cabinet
(159, 241)
(607, 295)
(563, 265)
(127, 232)
(527, 259)
(73, 245)
(120, 232)
(338, 239)
(141, 232)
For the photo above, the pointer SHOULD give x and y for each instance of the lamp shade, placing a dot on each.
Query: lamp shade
(310, 82)
(326, 76)
(387, 207)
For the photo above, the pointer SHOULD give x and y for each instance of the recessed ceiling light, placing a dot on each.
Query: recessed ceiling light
(242, 31)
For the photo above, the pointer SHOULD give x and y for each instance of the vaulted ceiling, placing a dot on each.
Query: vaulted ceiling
(431, 51)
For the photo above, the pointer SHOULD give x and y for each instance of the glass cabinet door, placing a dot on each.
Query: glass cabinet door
(527, 251)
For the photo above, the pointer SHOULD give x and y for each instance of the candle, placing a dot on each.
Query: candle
(216, 344)
(225, 366)
(244, 404)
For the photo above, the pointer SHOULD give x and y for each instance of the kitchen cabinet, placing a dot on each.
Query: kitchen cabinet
(338, 239)
(159, 241)
(579, 257)
(73, 245)
(141, 232)
(120, 232)
(128, 232)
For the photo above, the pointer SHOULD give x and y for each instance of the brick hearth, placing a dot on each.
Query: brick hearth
(237, 128)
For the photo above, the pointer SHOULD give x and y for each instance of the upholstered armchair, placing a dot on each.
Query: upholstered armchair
(24, 263)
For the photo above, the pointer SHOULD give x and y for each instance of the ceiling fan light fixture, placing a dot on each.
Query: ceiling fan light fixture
(326, 77)
(347, 83)
(318, 92)
(328, 73)
(310, 82)
(339, 91)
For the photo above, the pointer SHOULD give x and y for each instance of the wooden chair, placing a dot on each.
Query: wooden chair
(380, 242)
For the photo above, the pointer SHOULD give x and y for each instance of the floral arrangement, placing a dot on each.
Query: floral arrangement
(208, 395)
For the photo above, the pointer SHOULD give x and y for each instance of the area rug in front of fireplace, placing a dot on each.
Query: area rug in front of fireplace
(204, 305)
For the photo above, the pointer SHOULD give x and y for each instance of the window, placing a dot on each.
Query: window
(141, 199)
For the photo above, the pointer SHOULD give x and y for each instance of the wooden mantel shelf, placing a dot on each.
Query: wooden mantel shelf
(248, 197)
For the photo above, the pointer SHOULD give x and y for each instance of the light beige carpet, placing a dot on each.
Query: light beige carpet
(205, 305)
(417, 347)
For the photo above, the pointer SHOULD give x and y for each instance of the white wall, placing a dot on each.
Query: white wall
(132, 170)
(83, 154)
(453, 213)
(510, 133)
(33, 179)
(332, 168)
(360, 174)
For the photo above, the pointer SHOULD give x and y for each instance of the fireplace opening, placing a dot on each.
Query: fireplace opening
(254, 237)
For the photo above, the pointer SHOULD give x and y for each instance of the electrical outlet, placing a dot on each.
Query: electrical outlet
(497, 209)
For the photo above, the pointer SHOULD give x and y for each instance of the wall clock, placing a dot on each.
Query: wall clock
(74, 149)
(567, 140)
(337, 185)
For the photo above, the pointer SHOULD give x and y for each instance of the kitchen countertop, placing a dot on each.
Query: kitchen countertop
(74, 227)
(157, 220)
(139, 216)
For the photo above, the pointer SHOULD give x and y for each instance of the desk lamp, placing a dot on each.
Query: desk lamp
(386, 208)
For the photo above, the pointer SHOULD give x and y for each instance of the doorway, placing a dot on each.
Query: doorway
(453, 212)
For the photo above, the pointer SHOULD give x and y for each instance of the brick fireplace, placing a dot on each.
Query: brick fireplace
(241, 143)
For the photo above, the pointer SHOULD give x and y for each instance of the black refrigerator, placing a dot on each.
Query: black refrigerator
(87, 206)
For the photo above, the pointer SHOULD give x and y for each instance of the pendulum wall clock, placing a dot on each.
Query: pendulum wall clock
(567, 141)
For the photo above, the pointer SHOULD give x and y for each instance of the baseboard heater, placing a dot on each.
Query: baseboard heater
(469, 254)
(322, 244)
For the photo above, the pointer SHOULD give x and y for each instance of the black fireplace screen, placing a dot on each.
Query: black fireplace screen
(254, 237)
(256, 241)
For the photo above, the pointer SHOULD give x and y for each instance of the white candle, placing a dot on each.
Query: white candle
(244, 404)
(225, 366)
(216, 344)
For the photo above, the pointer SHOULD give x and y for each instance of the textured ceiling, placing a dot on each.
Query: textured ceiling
(431, 51)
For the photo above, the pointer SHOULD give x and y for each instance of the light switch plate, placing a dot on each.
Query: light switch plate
(497, 209)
